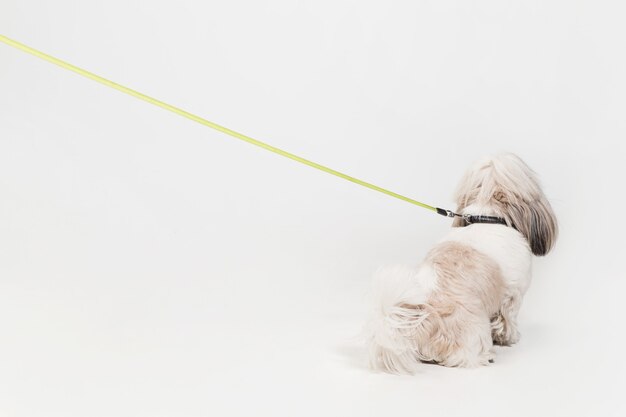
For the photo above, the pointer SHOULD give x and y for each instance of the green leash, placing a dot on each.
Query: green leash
(215, 126)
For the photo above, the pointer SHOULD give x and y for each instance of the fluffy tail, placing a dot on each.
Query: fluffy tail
(398, 314)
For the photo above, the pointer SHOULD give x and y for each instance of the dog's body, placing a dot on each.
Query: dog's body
(466, 294)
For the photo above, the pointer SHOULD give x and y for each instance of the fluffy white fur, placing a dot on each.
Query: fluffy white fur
(466, 294)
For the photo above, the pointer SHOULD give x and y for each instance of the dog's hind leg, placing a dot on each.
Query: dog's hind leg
(471, 345)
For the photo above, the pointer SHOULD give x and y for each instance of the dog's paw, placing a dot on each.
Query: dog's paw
(505, 338)
(486, 358)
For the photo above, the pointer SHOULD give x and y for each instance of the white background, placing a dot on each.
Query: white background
(150, 266)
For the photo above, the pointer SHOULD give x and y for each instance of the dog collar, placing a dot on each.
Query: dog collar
(473, 218)
(470, 219)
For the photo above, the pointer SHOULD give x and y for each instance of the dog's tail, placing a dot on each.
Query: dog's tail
(398, 315)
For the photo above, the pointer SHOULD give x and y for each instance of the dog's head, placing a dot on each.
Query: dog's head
(505, 186)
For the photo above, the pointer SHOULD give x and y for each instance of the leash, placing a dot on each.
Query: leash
(220, 128)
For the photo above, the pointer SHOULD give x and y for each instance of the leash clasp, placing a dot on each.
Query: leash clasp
(447, 213)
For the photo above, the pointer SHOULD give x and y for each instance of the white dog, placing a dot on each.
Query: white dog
(466, 294)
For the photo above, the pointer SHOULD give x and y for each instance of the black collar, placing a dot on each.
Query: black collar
(471, 219)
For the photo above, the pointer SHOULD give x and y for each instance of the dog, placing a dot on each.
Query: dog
(465, 296)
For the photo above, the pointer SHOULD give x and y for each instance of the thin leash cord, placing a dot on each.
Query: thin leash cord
(212, 125)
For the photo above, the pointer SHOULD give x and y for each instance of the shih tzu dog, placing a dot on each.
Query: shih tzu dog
(466, 294)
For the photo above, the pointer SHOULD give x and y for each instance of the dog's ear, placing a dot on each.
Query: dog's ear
(537, 222)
